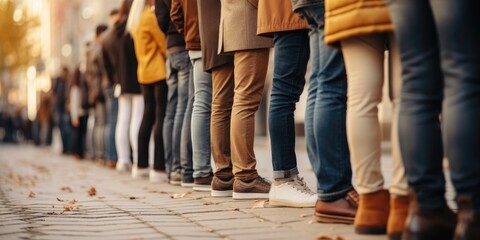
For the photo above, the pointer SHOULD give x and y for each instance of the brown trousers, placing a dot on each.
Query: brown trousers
(236, 94)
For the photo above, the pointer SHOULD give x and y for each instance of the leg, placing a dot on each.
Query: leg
(138, 107)
(122, 129)
(186, 142)
(168, 125)
(222, 101)
(291, 58)
(250, 72)
(201, 120)
(161, 92)
(145, 132)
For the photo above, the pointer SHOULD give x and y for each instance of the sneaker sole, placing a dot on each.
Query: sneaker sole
(187, 185)
(202, 188)
(216, 193)
(290, 204)
(242, 196)
(327, 218)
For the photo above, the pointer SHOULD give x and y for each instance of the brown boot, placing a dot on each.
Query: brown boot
(398, 214)
(468, 226)
(372, 213)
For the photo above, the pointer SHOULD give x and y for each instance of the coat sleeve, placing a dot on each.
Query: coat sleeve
(158, 36)
(176, 15)
(162, 11)
(107, 65)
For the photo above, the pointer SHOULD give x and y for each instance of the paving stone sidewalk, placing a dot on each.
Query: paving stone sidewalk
(44, 195)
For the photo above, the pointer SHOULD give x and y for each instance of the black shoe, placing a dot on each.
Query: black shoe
(468, 227)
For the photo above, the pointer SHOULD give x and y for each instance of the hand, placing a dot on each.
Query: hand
(75, 122)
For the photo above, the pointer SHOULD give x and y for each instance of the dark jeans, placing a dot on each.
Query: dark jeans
(155, 96)
(325, 118)
(439, 43)
(111, 103)
(79, 137)
(65, 126)
(291, 53)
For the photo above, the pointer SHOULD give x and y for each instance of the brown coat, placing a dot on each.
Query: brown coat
(348, 18)
(277, 16)
(238, 27)
(184, 15)
(208, 22)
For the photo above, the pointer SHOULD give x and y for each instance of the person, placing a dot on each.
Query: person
(176, 132)
(97, 113)
(111, 101)
(221, 68)
(363, 44)
(78, 112)
(60, 89)
(237, 36)
(44, 119)
(291, 53)
(121, 63)
(440, 57)
(150, 48)
(325, 122)
(184, 15)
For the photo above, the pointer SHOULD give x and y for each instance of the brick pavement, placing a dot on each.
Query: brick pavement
(37, 184)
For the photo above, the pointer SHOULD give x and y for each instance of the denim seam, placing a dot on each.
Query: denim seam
(333, 195)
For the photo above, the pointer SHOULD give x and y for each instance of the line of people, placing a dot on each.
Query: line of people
(189, 76)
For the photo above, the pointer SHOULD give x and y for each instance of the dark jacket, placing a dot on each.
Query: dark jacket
(184, 15)
(110, 56)
(296, 4)
(94, 74)
(175, 41)
(126, 63)
(209, 22)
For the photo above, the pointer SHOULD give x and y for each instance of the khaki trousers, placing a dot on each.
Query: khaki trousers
(237, 92)
(364, 62)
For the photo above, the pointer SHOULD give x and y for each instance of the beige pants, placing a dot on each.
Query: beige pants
(236, 98)
(364, 61)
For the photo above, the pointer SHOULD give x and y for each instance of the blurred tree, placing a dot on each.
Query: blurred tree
(16, 42)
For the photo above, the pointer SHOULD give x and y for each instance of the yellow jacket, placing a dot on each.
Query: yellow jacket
(150, 48)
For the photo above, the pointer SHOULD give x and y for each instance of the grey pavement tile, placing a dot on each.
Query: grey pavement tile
(237, 223)
(224, 215)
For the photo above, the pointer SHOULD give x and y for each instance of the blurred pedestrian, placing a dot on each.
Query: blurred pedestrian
(150, 48)
(325, 122)
(291, 52)
(78, 112)
(44, 118)
(440, 55)
(184, 15)
(238, 26)
(363, 43)
(62, 117)
(176, 131)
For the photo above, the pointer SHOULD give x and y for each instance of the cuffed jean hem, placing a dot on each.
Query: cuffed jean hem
(335, 195)
(202, 173)
(283, 174)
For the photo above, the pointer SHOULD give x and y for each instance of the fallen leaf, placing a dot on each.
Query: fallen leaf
(68, 208)
(92, 192)
(329, 238)
(53, 206)
(52, 213)
(180, 195)
(66, 189)
(60, 200)
(233, 209)
(31, 194)
(72, 201)
(163, 192)
(132, 198)
(259, 204)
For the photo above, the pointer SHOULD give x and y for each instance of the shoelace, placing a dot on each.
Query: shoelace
(353, 195)
(300, 185)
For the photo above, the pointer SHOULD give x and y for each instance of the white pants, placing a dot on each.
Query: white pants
(130, 113)
(364, 62)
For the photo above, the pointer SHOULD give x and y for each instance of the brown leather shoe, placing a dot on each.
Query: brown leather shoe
(397, 216)
(468, 227)
(429, 223)
(372, 214)
(222, 187)
(257, 188)
(342, 210)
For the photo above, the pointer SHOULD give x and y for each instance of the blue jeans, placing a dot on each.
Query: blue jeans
(186, 162)
(111, 104)
(325, 117)
(65, 126)
(179, 64)
(172, 83)
(291, 53)
(202, 109)
(441, 70)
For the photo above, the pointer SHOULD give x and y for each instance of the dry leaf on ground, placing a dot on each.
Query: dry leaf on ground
(259, 204)
(60, 200)
(52, 213)
(66, 189)
(330, 238)
(132, 198)
(72, 201)
(180, 195)
(92, 192)
(68, 208)
(233, 209)
(31, 194)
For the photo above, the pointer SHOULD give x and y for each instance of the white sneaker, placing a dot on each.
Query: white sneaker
(139, 172)
(292, 193)
(123, 167)
(158, 177)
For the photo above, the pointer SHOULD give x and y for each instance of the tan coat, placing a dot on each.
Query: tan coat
(348, 18)
(277, 16)
(238, 27)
